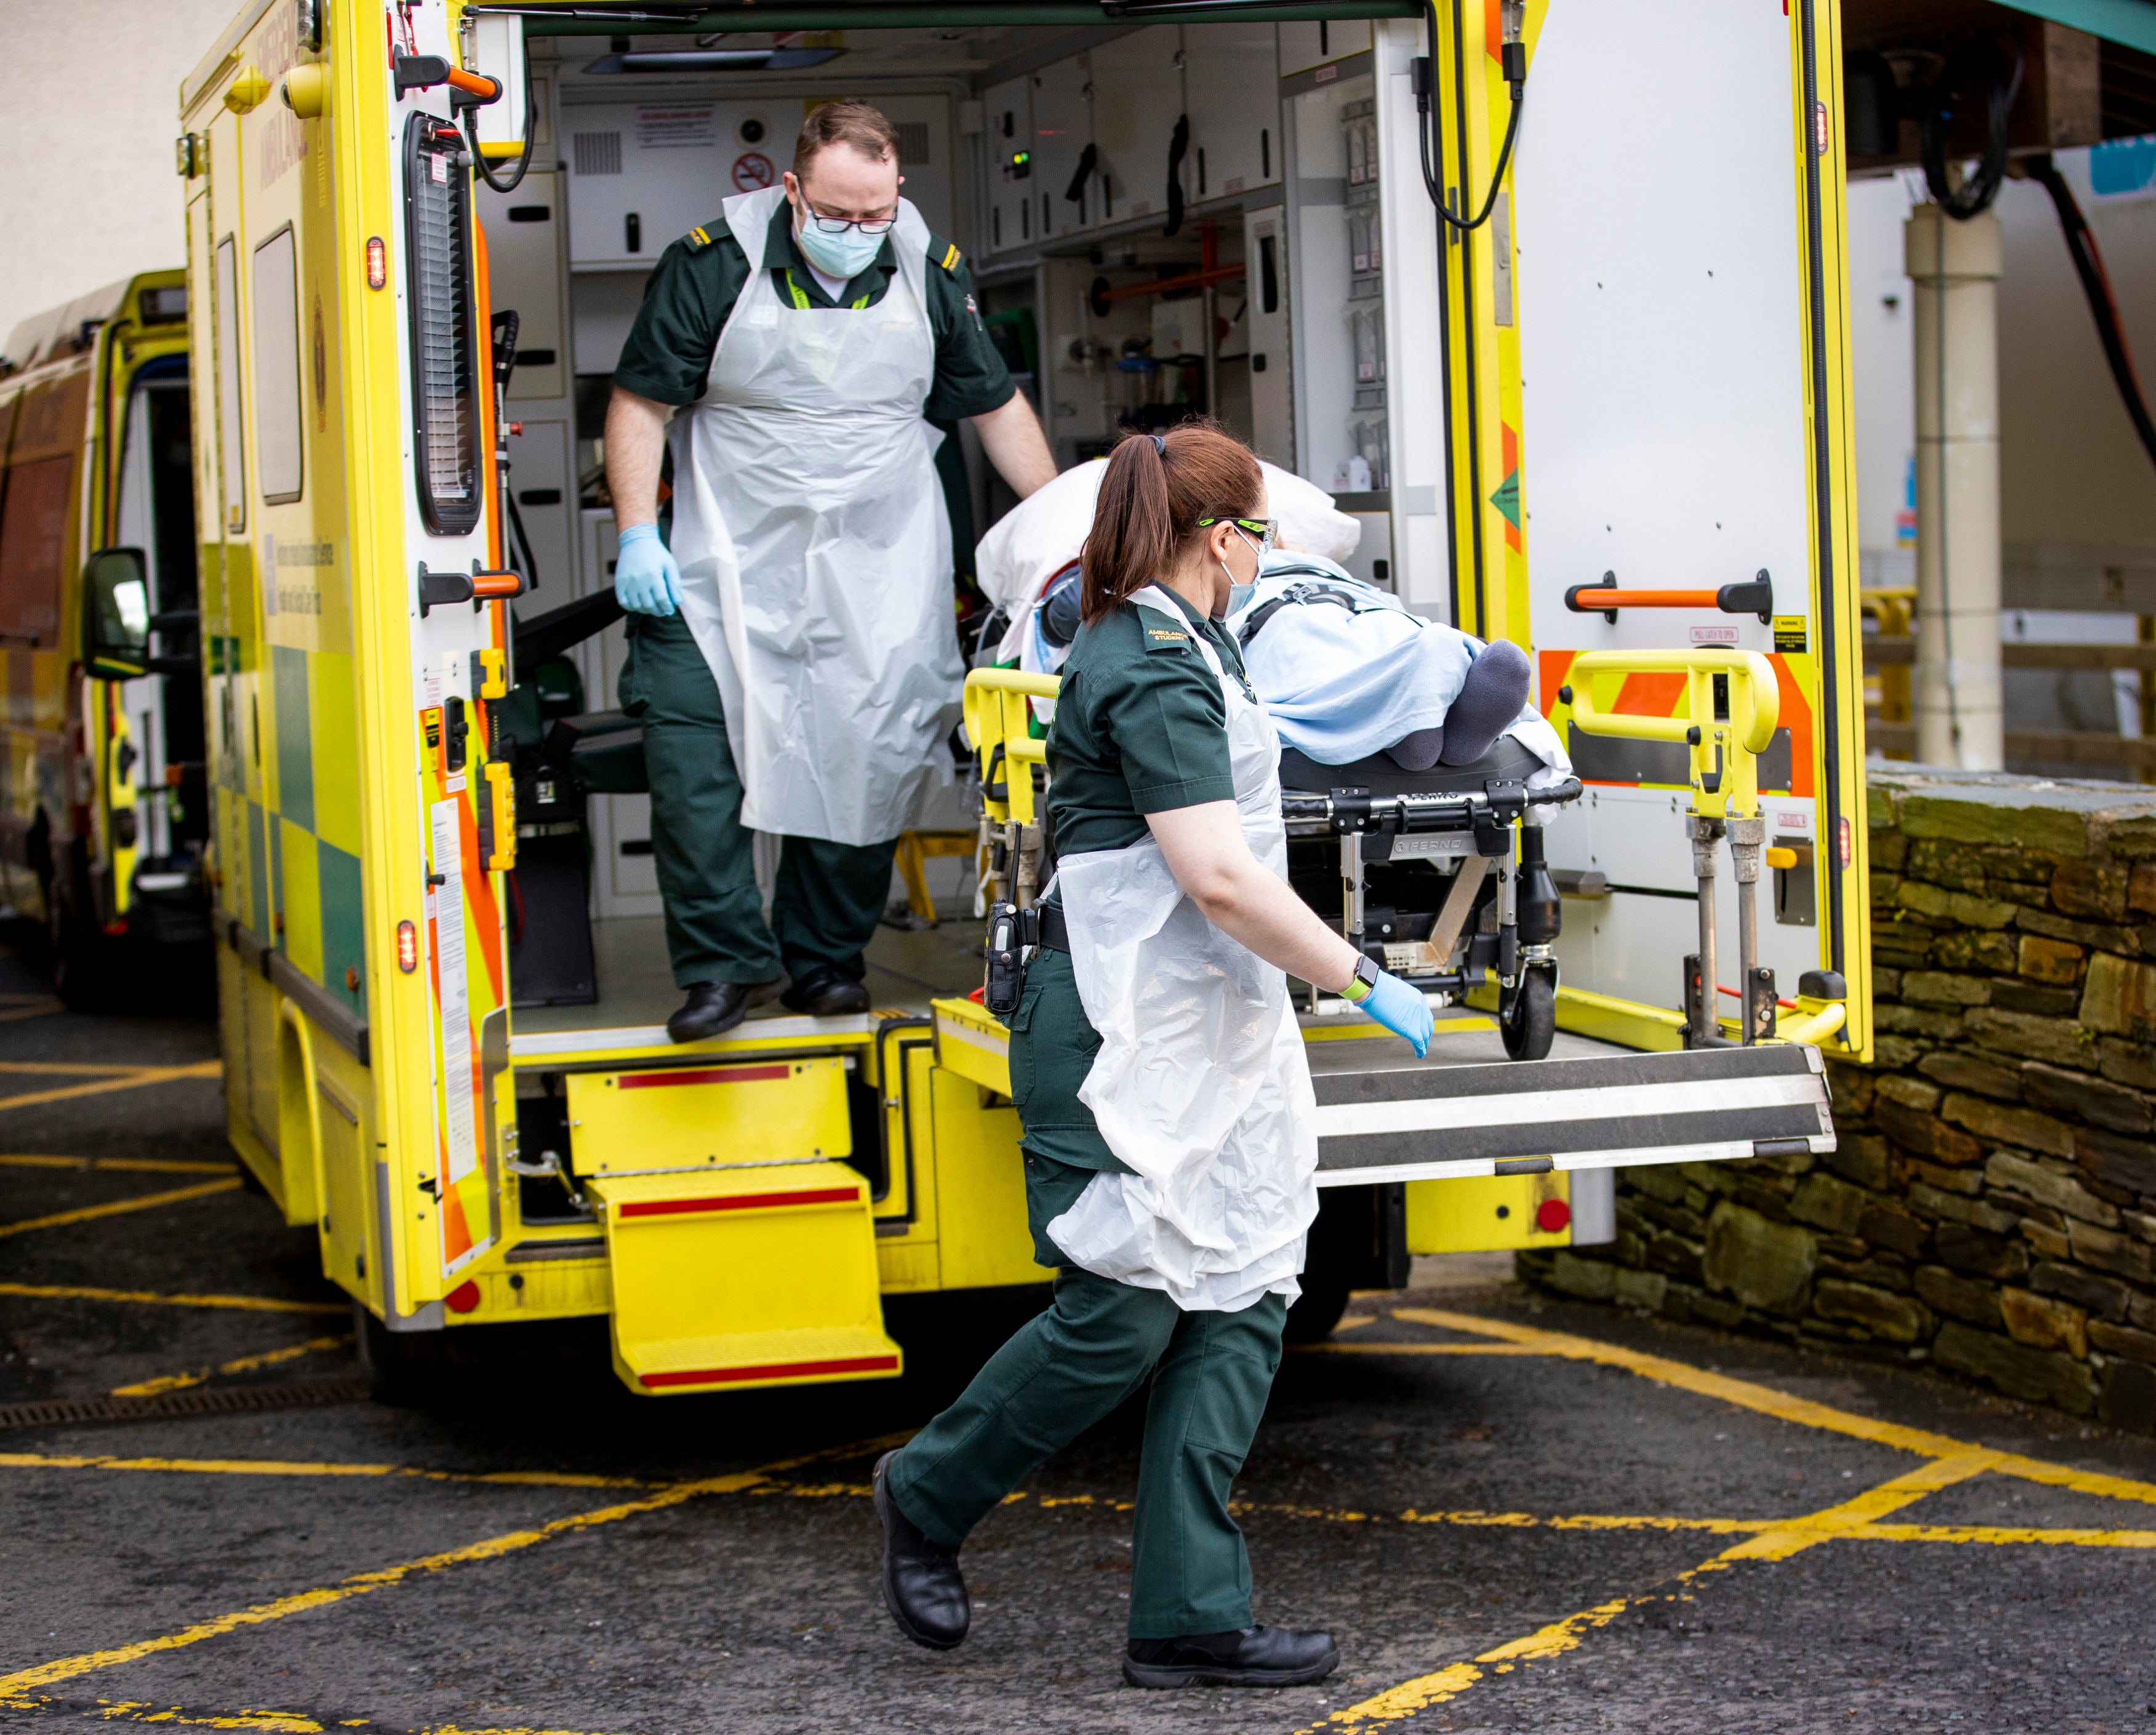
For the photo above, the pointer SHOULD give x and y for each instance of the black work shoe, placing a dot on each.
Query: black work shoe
(714, 1008)
(921, 1584)
(1255, 1656)
(826, 991)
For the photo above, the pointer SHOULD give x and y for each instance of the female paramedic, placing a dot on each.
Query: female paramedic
(1170, 1146)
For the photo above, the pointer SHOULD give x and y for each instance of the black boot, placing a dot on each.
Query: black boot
(826, 991)
(714, 1008)
(921, 1584)
(1255, 1656)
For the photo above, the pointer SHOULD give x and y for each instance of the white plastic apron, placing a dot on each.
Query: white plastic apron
(1202, 1084)
(814, 549)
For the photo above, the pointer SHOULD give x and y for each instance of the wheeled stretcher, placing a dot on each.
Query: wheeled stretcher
(1439, 876)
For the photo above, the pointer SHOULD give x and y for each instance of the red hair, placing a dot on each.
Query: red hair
(1158, 486)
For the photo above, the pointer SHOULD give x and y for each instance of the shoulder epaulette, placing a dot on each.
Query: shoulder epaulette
(1162, 633)
(701, 236)
(951, 258)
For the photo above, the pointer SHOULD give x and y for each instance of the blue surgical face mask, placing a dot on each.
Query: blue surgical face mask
(1238, 592)
(843, 256)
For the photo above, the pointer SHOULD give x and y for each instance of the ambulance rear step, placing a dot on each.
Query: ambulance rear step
(741, 1249)
(1606, 1111)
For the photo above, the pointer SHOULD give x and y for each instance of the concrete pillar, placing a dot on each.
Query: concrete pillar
(1953, 268)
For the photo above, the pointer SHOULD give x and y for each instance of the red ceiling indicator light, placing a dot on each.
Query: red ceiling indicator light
(378, 262)
(408, 948)
(1553, 1214)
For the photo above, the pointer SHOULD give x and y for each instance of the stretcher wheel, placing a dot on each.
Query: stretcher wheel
(1530, 1024)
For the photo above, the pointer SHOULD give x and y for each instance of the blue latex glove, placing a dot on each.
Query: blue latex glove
(646, 576)
(1402, 1010)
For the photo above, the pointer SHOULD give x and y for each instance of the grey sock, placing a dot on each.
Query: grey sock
(1418, 751)
(1495, 690)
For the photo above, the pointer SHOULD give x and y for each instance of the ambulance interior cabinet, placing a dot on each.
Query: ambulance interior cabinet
(1062, 134)
(1137, 99)
(1231, 75)
(1008, 156)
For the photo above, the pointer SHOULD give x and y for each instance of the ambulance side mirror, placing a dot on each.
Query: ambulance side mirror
(115, 615)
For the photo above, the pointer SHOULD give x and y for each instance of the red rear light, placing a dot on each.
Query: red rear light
(408, 948)
(377, 261)
(463, 1298)
(1553, 1214)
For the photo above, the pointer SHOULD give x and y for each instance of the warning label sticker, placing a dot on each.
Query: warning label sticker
(689, 127)
(1791, 635)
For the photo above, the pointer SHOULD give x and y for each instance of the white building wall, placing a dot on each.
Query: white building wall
(90, 99)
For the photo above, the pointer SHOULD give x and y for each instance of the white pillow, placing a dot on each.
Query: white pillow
(1042, 534)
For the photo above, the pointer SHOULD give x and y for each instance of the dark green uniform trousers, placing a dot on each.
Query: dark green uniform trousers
(1067, 1368)
(829, 896)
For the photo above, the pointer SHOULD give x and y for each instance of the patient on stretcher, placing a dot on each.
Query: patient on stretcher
(1345, 670)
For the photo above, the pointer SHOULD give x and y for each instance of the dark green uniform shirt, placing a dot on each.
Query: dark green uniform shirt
(1140, 725)
(693, 289)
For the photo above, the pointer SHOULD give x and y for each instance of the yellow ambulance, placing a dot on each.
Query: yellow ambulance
(1577, 363)
(104, 812)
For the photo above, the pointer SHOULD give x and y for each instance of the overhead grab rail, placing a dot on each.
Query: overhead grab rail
(1754, 596)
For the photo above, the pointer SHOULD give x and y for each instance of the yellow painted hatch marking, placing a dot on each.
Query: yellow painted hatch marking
(147, 1711)
(1776, 1542)
(1848, 1521)
(149, 1201)
(40, 1006)
(303, 1467)
(240, 1364)
(120, 1165)
(1765, 1399)
(23, 1681)
(1853, 1520)
(2004, 1535)
(141, 1076)
(71, 1069)
(244, 1304)
(1419, 1349)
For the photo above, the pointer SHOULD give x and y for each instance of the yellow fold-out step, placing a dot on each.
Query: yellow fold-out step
(730, 1278)
(972, 1042)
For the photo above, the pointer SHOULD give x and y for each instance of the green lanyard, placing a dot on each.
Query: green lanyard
(801, 296)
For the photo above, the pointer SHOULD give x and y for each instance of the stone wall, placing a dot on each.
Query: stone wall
(1992, 1207)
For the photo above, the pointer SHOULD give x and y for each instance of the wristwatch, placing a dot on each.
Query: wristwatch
(1361, 984)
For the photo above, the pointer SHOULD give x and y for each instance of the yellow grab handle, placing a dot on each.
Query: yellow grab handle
(1755, 696)
(1733, 703)
(997, 716)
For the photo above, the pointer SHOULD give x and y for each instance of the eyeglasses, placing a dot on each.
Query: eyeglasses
(839, 225)
(1266, 529)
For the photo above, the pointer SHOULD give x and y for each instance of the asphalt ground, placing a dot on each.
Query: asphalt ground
(1512, 1514)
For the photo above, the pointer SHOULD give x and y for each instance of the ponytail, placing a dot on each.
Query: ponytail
(1157, 488)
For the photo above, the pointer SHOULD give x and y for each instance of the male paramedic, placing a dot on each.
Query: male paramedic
(793, 654)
